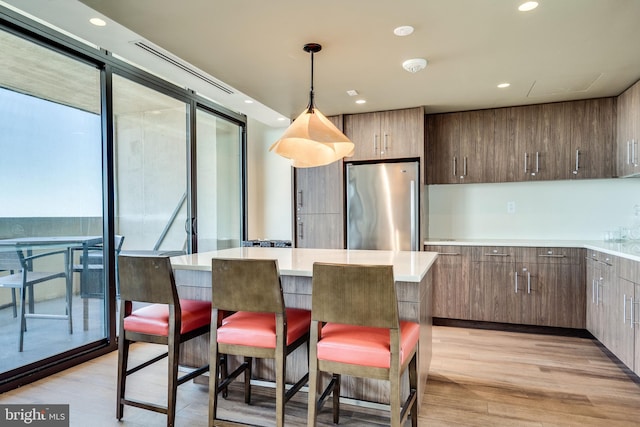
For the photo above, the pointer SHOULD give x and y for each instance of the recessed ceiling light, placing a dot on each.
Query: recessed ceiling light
(248, 101)
(361, 101)
(527, 6)
(98, 22)
(402, 31)
(281, 119)
(503, 85)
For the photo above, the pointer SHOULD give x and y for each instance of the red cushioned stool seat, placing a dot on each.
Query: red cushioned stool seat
(363, 345)
(259, 329)
(154, 319)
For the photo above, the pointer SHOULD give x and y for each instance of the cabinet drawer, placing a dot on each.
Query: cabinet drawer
(629, 270)
(552, 255)
(494, 254)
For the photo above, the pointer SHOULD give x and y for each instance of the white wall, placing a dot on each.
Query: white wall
(269, 185)
(543, 210)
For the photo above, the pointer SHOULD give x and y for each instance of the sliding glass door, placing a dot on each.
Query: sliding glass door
(52, 204)
(150, 134)
(97, 158)
(219, 220)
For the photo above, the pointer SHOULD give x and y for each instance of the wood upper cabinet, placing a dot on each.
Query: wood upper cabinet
(565, 140)
(451, 281)
(592, 139)
(542, 141)
(628, 131)
(460, 147)
(386, 134)
(319, 204)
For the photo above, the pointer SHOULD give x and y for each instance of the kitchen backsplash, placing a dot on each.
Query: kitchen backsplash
(572, 210)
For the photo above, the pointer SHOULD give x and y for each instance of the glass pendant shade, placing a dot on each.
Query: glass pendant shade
(312, 140)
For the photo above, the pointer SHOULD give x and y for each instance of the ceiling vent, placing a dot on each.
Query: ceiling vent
(167, 57)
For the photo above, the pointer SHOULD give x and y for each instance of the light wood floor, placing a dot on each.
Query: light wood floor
(478, 378)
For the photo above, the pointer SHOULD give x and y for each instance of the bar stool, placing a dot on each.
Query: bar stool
(167, 320)
(260, 327)
(362, 336)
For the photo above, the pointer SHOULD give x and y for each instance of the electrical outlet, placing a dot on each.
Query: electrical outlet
(511, 207)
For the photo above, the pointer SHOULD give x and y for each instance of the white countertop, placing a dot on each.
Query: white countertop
(407, 266)
(629, 249)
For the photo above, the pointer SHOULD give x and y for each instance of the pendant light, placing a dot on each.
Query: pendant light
(312, 140)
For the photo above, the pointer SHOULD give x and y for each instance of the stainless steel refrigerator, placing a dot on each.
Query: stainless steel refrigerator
(383, 206)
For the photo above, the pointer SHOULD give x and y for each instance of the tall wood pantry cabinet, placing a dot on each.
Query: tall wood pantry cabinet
(319, 204)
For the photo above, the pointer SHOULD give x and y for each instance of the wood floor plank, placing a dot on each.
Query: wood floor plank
(478, 378)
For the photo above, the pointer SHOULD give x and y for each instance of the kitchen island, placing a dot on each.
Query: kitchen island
(413, 287)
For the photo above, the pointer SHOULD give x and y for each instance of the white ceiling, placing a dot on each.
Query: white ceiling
(563, 50)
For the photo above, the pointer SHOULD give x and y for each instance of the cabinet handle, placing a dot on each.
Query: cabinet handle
(537, 164)
(634, 158)
(300, 230)
(516, 282)
(633, 321)
(528, 282)
(526, 161)
(552, 256)
(628, 152)
(449, 253)
(575, 172)
(455, 166)
(300, 204)
(375, 144)
(597, 293)
(593, 291)
(386, 142)
(496, 255)
(464, 167)
(624, 309)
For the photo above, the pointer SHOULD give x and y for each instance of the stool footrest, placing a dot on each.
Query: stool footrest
(232, 376)
(335, 382)
(296, 387)
(144, 405)
(193, 374)
(408, 403)
(145, 364)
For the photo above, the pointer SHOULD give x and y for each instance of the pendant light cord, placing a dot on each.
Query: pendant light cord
(311, 105)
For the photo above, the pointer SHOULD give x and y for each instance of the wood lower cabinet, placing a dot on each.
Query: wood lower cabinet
(451, 281)
(600, 301)
(625, 321)
(530, 286)
(551, 282)
(492, 285)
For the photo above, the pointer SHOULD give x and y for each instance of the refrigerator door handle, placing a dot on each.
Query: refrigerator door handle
(414, 228)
